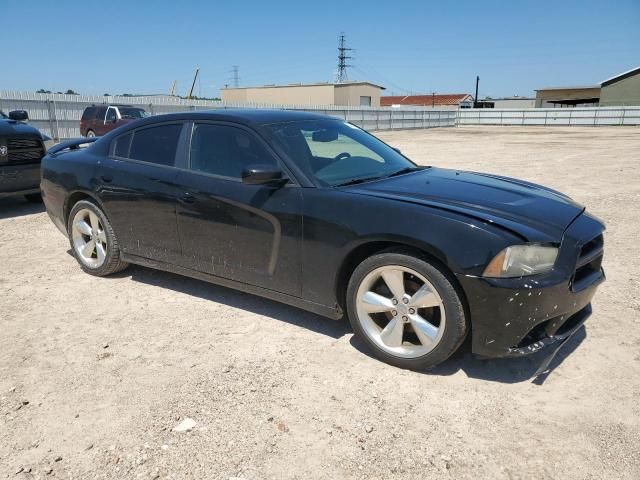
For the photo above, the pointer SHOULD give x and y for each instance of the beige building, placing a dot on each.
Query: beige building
(342, 94)
(568, 96)
(623, 89)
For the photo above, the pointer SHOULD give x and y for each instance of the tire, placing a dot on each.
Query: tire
(422, 329)
(91, 133)
(105, 257)
(33, 197)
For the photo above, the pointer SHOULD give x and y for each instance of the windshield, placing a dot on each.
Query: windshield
(132, 113)
(337, 153)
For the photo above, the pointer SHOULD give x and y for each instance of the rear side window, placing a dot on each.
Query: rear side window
(89, 112)
(122, 144)
(225, 151)
(156, 144)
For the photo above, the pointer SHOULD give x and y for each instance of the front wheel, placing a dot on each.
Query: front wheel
(91, 133)
(406, 309)
(93, 241)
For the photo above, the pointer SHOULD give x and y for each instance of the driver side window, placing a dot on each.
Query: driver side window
(342, 144)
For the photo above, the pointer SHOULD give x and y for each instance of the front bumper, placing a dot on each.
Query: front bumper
(521, 316)
(19, 179)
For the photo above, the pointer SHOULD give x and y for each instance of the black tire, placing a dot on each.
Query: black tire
(33, 197)
(456, 326)
(113, 262)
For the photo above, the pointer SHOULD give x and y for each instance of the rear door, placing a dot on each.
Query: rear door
(110, 120)
(247, 233)
(137, 186)
(97, 122)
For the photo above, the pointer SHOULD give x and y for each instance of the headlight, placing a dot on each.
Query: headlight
(521, 261)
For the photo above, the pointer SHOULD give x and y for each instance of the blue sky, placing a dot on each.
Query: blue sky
(408, 46)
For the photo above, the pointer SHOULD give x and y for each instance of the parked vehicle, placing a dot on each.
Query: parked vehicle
(317, 213)
(21, 150)
(98, 120)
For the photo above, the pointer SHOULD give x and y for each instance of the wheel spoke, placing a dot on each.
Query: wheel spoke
(100, 252)
(88, 248)
(374, 303)
(93, 219)
(426, 332)
(83, 227)
(391, 335)
(102, 236)
(395, 281)
(424, 297)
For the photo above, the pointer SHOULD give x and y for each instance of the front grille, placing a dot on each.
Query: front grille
(24, 150)
(589, 264)
(19, 143)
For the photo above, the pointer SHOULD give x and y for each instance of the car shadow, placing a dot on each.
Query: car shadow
(11, 207)
(234, 298)
(502, 370)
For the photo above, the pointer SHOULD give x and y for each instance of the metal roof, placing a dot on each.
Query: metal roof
(620, 76)
(317, 84)
(433, 99)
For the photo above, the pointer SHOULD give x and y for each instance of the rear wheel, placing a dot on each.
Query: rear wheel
(406, 310)
(93, 241)
(33, 197)
(91, 133)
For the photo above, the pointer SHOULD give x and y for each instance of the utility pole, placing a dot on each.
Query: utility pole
(341, 75)
(194, 83)
(475, 99)
(235, 71)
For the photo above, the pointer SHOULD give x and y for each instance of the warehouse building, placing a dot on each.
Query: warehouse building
(449, 100)
(623, 89)
(342, 94)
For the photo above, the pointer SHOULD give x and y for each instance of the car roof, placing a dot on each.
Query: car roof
(245, 116)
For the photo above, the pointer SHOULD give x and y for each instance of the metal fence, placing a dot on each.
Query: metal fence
(591, 116)
(58, 115)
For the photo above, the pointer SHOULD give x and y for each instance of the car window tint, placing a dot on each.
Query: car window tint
(156, 144)
(111, 114)
(88, 113)
(121, 148)
(226, 151)
(341, 144)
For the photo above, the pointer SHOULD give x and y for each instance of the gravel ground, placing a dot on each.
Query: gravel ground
(96, 374)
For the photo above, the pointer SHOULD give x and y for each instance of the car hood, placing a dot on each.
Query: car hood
(537, 213)
(11, 128)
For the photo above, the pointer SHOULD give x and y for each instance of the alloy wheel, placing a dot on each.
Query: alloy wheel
(401, 311)
(89, 238)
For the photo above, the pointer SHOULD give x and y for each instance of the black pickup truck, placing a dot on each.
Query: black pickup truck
(21, 150)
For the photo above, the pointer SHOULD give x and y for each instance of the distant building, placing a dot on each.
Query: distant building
(449, 100)
(511, 102)
(342, 94)
(623, 89)
(587, 96)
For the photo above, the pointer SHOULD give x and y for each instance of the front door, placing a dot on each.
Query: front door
(138, 189)
(247, 233)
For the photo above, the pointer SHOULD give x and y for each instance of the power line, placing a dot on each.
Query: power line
(341, 74)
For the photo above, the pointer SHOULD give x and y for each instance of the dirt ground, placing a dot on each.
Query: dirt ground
(96, 373)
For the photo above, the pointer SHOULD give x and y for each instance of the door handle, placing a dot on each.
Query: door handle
(187, 198)
(106, 179)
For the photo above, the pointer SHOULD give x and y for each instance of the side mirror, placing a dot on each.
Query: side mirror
(262, 174)
(19, 115)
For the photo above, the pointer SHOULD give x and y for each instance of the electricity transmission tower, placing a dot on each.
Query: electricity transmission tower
(235, 75)
(341, 74)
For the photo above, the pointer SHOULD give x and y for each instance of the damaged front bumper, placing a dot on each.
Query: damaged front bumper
(513, 317)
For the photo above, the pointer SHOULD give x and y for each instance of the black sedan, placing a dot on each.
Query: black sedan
(317, 213)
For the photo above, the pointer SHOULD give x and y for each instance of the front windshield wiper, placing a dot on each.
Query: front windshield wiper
(402, 171)
(355, 181)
